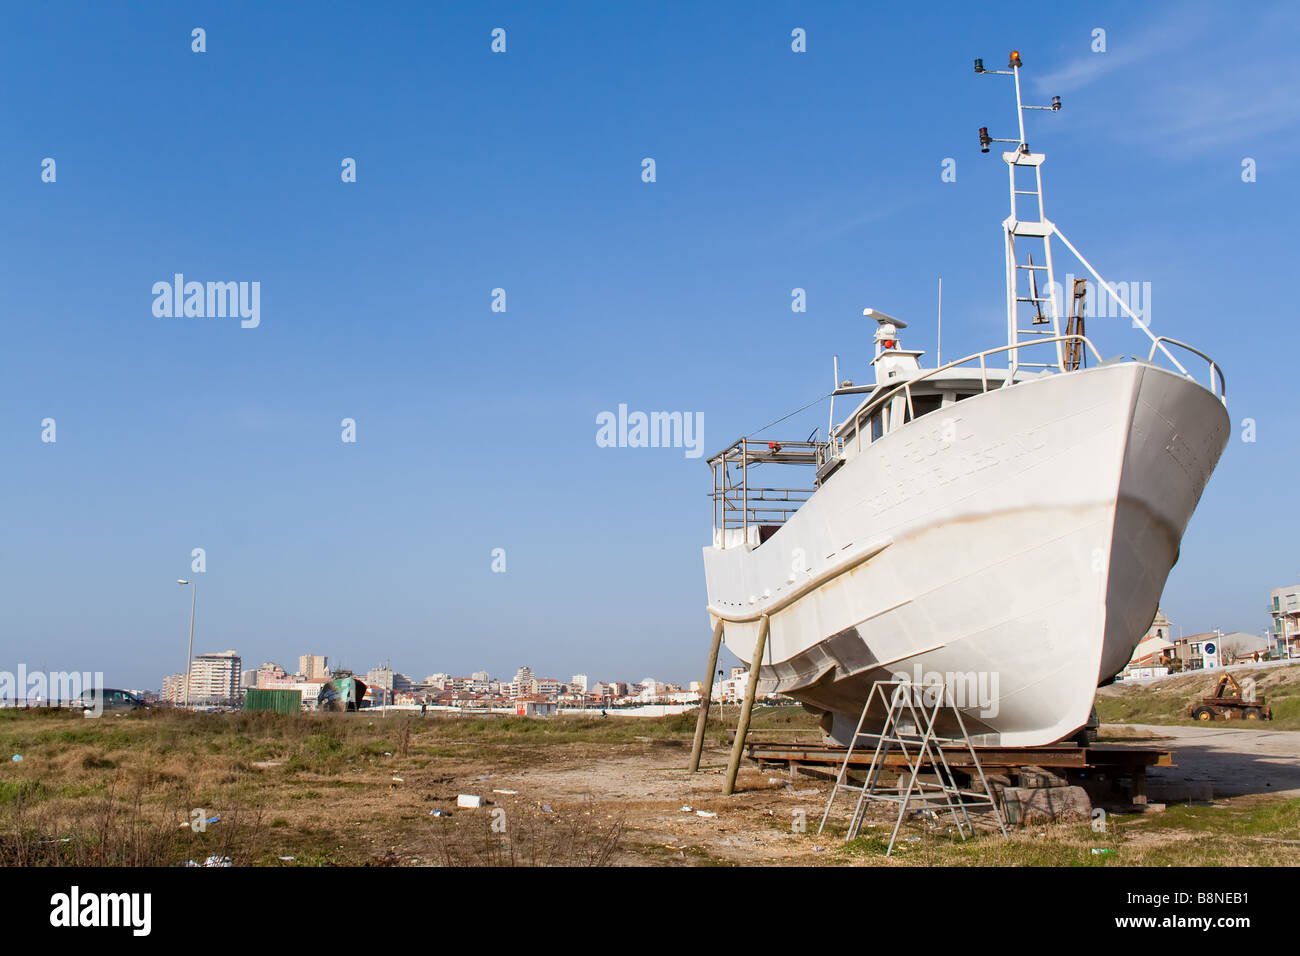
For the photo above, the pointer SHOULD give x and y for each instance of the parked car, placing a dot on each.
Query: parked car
(113, 699)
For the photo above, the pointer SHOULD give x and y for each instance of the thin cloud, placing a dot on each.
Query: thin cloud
(1122, 52)
(1213, 91)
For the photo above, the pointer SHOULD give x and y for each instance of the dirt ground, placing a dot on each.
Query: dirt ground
(644, 790)
(652, 792)
(349, 790)
(1224, 761)
(773, 820)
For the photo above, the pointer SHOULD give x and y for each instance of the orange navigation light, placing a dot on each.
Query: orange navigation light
(887, 343)
(1015, 60)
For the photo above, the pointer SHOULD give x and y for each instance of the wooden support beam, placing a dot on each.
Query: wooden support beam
(746, 710)
(706, 699)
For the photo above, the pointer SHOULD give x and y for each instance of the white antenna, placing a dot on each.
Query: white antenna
(830, 425)
(938, 335)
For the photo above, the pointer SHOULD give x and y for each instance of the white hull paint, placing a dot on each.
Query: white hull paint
(1021, 536)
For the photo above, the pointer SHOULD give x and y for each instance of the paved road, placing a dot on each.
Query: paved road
(1221, 762)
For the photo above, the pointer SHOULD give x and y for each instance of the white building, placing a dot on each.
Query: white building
(173, 688)
(215, 677)
(1152, 654)
(578, 682)
(731, 690)
(1285, 608)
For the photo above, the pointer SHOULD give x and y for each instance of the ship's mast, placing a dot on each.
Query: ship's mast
(1023, 298)
(1031, 223)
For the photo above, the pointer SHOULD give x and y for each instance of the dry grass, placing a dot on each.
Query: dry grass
(110, 828)
(526, 836)
(320, 789)
(343, 789)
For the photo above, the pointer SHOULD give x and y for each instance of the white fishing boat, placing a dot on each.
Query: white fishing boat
(1005, 522)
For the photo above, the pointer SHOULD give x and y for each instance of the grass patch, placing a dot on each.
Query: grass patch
(1166, 701)
(21, 791)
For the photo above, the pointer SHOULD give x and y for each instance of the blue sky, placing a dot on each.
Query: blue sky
(522, 171)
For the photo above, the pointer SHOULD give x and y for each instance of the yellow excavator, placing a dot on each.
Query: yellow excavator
(1230, 703)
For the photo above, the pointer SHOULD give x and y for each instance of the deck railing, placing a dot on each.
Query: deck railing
(738, 502)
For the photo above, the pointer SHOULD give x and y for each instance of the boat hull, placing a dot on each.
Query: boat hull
(1013, 545)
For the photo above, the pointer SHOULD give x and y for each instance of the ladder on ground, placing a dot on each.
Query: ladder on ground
(911, 714)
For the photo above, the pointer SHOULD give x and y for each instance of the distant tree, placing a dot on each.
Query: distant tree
(1232, 649)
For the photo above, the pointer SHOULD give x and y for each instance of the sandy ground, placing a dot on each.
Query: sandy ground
(651, 791)
(1217, 762)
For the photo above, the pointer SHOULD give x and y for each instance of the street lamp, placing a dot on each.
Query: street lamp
(189, 657)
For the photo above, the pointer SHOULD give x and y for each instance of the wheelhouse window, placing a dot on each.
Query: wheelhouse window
(924, 405)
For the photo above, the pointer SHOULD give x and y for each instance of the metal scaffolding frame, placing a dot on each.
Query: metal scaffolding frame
(737, 503)
(911, 712)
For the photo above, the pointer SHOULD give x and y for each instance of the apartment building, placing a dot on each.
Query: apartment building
(1284, 606)
(215, 677)
(313, 666)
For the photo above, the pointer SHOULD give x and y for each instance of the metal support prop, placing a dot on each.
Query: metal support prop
(742, 727)
(910, 719)
(706, 698)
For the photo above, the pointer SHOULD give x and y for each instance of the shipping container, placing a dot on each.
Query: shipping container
(279, 701)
